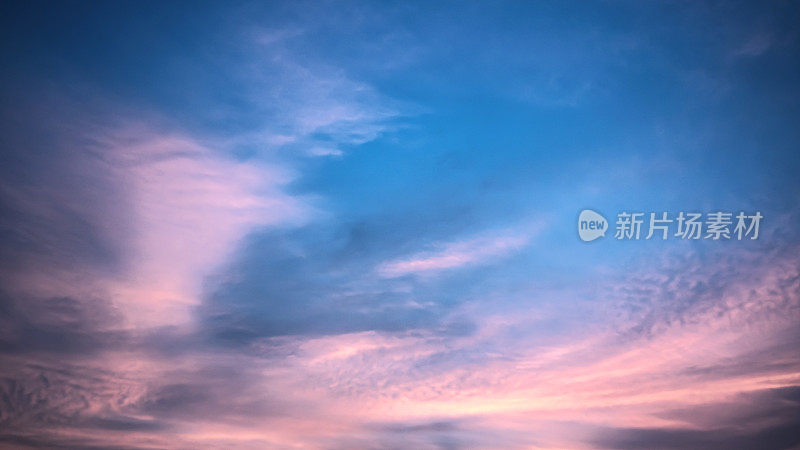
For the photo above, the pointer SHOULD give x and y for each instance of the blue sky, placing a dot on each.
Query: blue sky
(353, 224)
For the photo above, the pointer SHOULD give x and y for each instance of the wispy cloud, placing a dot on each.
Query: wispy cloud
(474, 251)
(173, 197)
(317, 108)
(755, 46)
(217, 259)
(187, 199)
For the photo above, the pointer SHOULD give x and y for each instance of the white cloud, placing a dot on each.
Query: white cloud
(470, 252)
(308, 105)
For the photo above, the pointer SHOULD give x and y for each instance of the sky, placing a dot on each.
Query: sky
(353, 225)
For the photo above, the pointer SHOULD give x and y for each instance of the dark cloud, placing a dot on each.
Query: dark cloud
(42, 402)
(176, 399)
(122, 423)
(747, 411)
(445, 434)
(39, 399)
(780, 355)
(780, 437)
(63, 225)
(61, 325)
(41, 440)
(225, 390)
(298, 283)
(60, 205)
(439, 426)
(768, 419)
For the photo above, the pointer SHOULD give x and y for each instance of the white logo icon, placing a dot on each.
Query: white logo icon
(591, 225)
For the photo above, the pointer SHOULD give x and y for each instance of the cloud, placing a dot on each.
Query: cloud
(169, 286)
(321, 280)
(298, 342)
(755, 46)
(112, 228)
(300, 283)
(688, 372)
(136, 202)
(188, 200)
(470, 252)
(310, 108)
(763, 419)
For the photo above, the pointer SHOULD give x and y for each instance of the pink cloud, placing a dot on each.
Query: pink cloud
(190, 208)
(357, 389)
(179, 210)
(558, 395)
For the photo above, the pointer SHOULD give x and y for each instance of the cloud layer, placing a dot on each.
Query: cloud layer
(300, 226)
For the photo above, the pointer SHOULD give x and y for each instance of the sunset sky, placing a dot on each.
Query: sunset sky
(352, 225)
